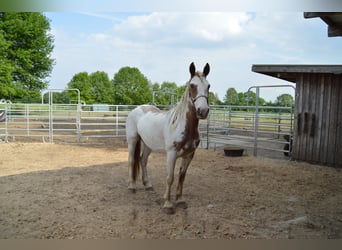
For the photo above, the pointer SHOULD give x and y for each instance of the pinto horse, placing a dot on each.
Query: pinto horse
(174, 132)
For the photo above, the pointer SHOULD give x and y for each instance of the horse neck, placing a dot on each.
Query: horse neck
(185, 112)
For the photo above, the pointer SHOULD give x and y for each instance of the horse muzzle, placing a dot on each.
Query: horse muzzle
(202, 113)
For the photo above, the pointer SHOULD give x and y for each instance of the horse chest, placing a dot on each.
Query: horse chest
(188, 143)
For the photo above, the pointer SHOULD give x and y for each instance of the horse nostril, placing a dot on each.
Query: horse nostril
(198, 111)
(202, 113)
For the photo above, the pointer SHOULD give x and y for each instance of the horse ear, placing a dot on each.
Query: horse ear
(206, 70)
(192, 69)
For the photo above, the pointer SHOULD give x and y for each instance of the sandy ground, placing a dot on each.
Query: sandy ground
(80, 192)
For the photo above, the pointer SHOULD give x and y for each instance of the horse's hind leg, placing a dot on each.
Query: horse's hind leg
(146, 153)
(182, 172)
(132, 144)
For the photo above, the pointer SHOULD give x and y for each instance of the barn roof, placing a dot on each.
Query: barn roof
(332, 19)
(290, 72)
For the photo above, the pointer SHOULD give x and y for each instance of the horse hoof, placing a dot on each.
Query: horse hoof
(182, 204)
(169, 210)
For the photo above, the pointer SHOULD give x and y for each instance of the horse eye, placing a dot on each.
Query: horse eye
(192, 85)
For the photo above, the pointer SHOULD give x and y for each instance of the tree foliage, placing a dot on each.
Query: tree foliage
(95, 87)
(250, 98)
(81, 81)
(131, 87)
(25, 49)
(285, 100)
(231, 97)
(165, 94)
(213, 99)
(102, 89)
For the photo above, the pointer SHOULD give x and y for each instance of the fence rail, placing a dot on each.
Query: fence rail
(243, 126)
(259, 128)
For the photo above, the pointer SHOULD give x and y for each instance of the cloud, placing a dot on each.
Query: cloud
(162, 45)
(99, 37)
(182, 29)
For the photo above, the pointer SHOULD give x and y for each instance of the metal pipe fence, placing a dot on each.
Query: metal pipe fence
(259, 128)
(241, 126)
(63, 123)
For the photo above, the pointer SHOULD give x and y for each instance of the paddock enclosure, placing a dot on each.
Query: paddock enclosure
(79, 191)
(258, 130)
(63, 175)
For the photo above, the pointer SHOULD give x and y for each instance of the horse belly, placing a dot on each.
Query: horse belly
(150, 129)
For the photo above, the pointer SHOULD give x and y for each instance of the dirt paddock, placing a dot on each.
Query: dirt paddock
(80, 192)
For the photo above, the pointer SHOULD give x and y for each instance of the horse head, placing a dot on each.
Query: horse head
(199, 90)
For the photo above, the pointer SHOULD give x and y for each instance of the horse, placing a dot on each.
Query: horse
(174, 132)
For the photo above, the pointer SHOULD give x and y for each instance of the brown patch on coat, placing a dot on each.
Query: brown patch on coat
(152, 109)
(193, 91)
(190, 139)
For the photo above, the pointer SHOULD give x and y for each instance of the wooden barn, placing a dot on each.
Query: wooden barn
(317, 136)
(332, 19)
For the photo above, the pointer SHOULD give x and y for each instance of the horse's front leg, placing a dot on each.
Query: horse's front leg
(182, 172)
(170, 164)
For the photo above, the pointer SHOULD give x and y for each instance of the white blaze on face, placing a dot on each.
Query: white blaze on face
(199, 92)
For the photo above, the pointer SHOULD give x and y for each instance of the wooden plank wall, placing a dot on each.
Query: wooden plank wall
(318, 124)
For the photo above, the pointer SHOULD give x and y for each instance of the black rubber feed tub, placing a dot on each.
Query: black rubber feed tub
(233, 151)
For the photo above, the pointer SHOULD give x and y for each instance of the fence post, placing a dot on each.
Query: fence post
(208, 126)
(117, 119)
(6, 122)
(256, 123)
(79, 116)
(291, 130)
(229, 119)
(27, 113)
(279, 123)
(50, 118)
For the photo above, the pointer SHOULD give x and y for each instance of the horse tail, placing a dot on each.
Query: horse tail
(136, 164)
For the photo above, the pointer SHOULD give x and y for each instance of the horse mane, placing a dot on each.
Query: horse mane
(179, 110)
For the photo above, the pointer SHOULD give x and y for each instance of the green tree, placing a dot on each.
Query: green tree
(213, 98)
(231, 97)
(180, 91)
(250, 99)
(131, 87)
(242, 99)
(81, 81)
(26, 46)
(285, 100)
(60, 97)
(7, 88)
(155, 86)
(102, 88)
(164, 93)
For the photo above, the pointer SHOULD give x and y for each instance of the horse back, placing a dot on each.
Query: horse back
(148, 122)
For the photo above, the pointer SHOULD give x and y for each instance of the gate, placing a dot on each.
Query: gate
(265, 128)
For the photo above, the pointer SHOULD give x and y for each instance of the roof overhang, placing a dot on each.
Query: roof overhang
(332, 19)
(291, 72)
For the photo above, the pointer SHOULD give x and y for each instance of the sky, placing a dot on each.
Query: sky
(162, 44)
